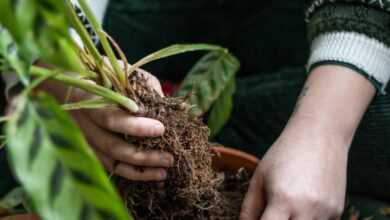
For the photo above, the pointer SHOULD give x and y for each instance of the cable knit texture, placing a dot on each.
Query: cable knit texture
(346, 17)
(352, 33)
(98, 7)
(316, 4)
(366, 54)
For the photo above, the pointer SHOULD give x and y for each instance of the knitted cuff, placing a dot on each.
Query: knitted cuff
(366, 55)
(314, 5)
(338, 17)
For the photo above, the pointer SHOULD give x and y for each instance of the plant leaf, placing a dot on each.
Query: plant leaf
(221, 109)
(89, 104)
(41, 29)
(7, 18)
(12, 200)
(173, 50)
(207, 80)
(63, 176)
(12, 56)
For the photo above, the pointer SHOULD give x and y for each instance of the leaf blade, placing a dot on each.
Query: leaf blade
(174, 50)
(57, 193)
(207, 80)
(221, 110)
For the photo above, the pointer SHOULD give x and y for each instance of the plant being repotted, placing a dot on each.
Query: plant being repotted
(58, 171)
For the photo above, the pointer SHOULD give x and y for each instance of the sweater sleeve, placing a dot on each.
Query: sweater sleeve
(98, 7)
(355, 34)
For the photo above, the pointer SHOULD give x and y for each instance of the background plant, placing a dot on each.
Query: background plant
(58, 171)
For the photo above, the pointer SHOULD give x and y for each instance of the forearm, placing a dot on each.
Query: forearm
(332, 103)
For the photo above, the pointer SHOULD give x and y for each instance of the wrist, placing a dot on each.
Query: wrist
(320, 130)
(331, 105)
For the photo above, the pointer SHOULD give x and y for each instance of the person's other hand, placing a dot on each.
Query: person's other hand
(301, 177)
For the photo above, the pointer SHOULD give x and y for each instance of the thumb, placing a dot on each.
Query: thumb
(254, 201)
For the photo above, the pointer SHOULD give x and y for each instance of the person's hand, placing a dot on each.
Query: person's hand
(302, 177)
(105, 128)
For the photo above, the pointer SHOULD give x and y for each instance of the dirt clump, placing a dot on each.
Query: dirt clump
(193, 190)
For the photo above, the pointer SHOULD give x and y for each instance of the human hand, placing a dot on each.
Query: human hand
(105, 128)
(301, 177)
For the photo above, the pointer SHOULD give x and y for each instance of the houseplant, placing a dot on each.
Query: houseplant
(47, 151)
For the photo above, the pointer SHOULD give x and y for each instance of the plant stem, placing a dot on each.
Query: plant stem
(103, 39)
(88, 86)
(85, 38)
(88, 104)
(119, 51)
(68, 95)
(82, 32)
(38, 81)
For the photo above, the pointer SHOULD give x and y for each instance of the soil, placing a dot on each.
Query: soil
(156, 203)
(193, 190)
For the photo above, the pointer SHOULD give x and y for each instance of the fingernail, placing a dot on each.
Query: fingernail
(158, 129)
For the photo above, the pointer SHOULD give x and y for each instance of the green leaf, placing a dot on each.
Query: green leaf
(12, 56)
(41, 29)
(174, 50)
(7, 18)
(207, 80)
(89, 104)
(12, 200)
(62, 177)
(222, 109)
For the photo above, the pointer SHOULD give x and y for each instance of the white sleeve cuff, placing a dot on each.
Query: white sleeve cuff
(369, 55)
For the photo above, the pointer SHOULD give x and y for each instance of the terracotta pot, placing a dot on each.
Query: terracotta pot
(21, 217)
(229, 159)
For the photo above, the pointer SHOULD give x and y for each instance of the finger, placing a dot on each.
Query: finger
(152, 81)
(107, 162)
(117, 149)
(117, 120)
(305, 212)
(273, 212)
(254, 203)
(307, 217)
(136, 174)
(327, 215)
(335, 217)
